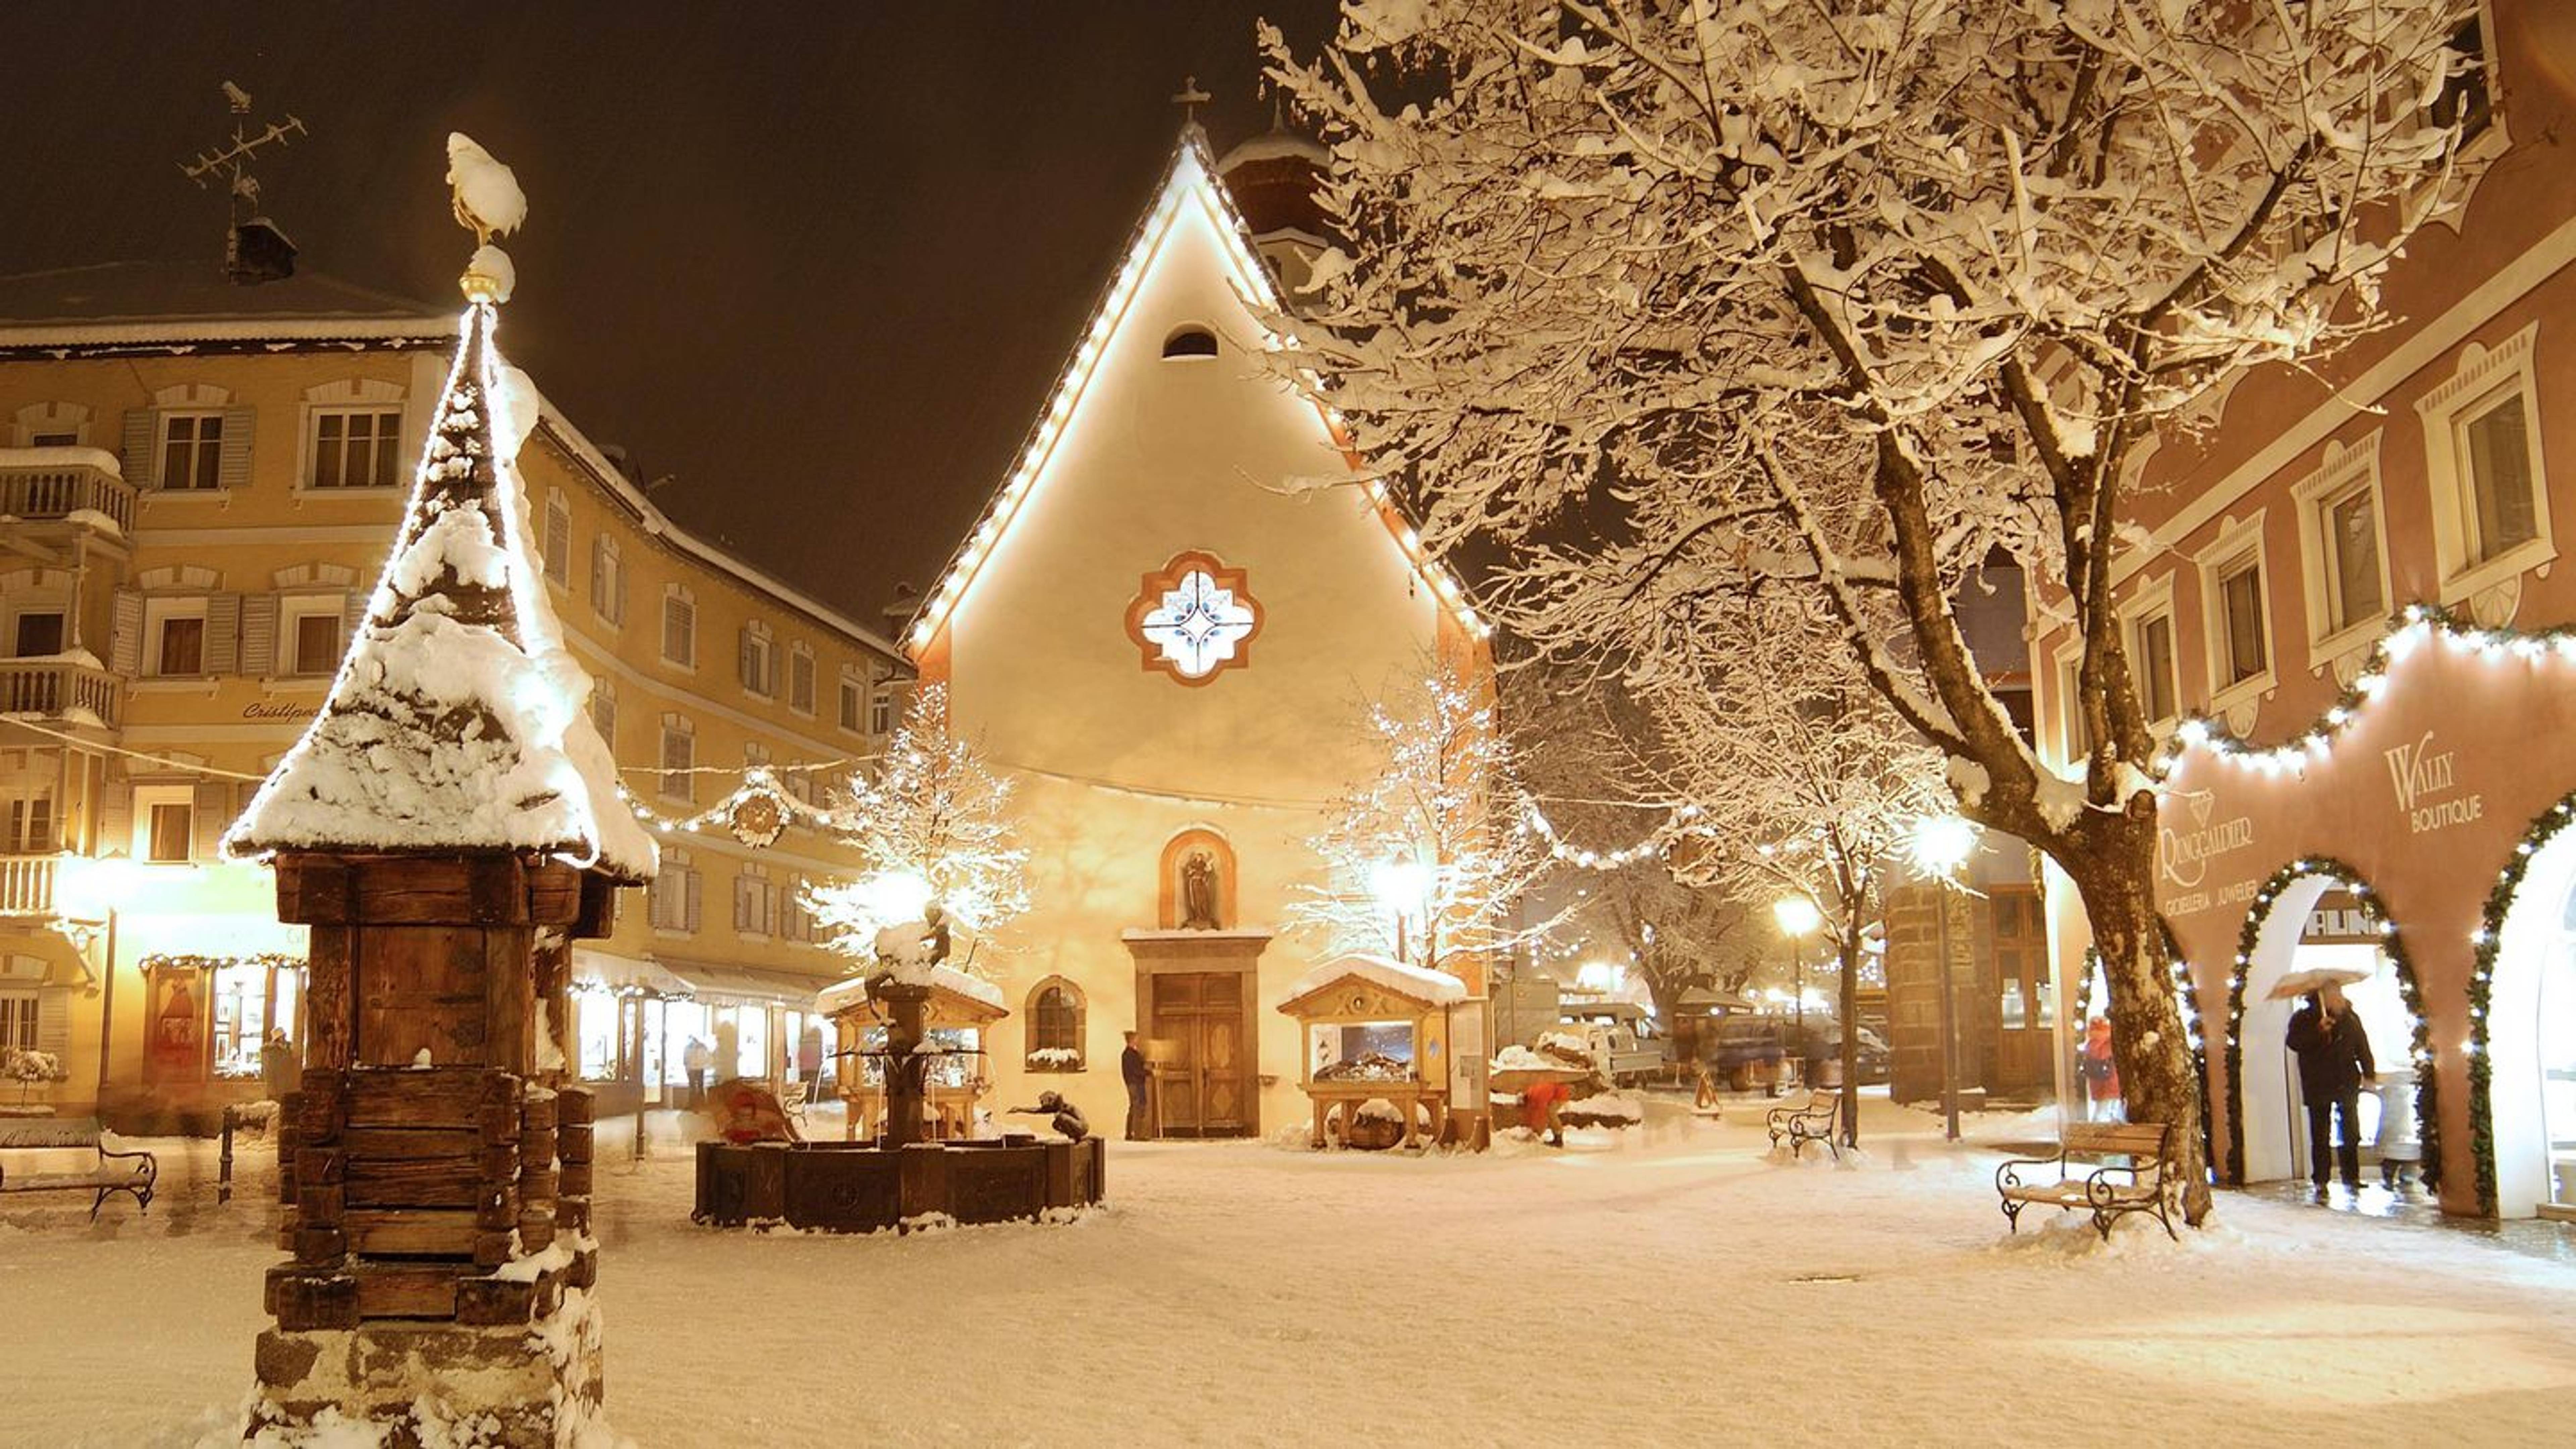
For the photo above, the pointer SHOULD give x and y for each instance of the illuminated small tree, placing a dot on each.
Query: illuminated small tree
(1429, 858)
(933, 823)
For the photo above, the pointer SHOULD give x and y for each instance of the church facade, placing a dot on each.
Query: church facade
(1171, 646)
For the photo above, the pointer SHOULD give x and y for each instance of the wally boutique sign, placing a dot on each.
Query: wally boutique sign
(2426, 780)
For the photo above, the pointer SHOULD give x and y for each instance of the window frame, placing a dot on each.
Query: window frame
(208, 452)
(158, 615)
(852, 711)
(148, 801)
(607, 579)
(2484, 377)
(292, 611)
(2239, 545)
(554, 539)
(801, 672)
(2345, 472)
(677, 596)
(389, 447)
(1080, 1027)
(2148, 604)
(676, 782)
(756, 660)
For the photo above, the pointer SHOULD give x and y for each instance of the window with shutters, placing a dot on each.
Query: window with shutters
(795, 923)
(679, 758)
(758, 660)
(1055, 1015)
(607, 580)
(18, 1017)
(603, 709)
(679, 627)
(353, 447)
(854, 696)
(191, 451)
(557, 542)
(881, 708)
(754, 898)
(671, 901)
(165, 824)
(800, 679)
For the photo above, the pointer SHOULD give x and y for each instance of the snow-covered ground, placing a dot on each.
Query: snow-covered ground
(1673, 1284)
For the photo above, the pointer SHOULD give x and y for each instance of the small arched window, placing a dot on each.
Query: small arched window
(1055, 1017)
(1189, 340)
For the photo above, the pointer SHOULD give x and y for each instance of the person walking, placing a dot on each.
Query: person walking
(2100, 1074)
(2334, 1061)
(279, 1072)
(1139, 1079)
(693, 1059)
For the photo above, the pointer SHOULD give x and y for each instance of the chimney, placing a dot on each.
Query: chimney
(258, 252)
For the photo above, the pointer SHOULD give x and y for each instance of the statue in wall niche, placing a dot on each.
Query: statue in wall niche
(1198, 892)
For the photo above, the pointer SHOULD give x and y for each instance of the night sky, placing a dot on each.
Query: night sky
(818, 262)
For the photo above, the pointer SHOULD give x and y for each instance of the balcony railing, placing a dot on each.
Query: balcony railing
(49, 490)
(27, 885)
(58, 689)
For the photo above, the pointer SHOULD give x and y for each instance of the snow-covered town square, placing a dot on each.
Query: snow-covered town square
(1287, 722)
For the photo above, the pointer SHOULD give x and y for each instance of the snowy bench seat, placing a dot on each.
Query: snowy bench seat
(2130, 1171)
(1811, 1122)
(131, 1173)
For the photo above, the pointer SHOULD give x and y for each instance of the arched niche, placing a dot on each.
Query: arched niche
(1171, 911)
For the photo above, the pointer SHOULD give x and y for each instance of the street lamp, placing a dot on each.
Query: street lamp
(87, 892)
(1941, 844)
(1400, 884)
(1797, 916)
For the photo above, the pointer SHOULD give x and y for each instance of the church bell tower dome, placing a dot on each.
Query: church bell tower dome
(1275, 179)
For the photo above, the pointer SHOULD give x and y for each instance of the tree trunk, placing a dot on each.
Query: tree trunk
(2150, 1043)
(1851, 1035)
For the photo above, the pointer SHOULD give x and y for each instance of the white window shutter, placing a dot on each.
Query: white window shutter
(142, 460)
(212, 815)
(353, 618)
(234, 466)
(116, 816)
(125, 647)
(223, 633)
(259, 634)
(692, 914)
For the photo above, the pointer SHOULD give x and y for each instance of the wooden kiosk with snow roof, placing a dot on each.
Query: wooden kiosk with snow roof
(1377, 1049)
(961, 1010)
(1167, 628)
(446, 827)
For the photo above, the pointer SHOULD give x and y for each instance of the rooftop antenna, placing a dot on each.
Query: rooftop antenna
(232, 161)
(1189, 99)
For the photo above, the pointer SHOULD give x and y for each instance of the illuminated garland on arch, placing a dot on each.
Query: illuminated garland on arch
(2409, 628)
(2486, 942)
(2428, 1092)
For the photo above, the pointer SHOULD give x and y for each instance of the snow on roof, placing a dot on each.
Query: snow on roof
(1276, 145)
(843, 994)
(133, 302)
(458, 719)
(1438, 988)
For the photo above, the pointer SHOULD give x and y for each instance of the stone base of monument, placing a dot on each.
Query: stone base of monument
(514, 1386)
(859, 1187)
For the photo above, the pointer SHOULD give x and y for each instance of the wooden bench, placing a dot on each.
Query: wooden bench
(132, 1173)
(2133, 1172)
(1811, 1122)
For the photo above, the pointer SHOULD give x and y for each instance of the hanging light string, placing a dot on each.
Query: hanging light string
(1654, 843)
(2409, 630)
(95, 747)
(759, 782)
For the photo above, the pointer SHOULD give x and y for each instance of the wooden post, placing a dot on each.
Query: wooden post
(433, 1152)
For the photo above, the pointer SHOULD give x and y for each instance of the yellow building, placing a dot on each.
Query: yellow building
(198, 482)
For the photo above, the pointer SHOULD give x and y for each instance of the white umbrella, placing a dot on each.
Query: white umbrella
(2300, 983)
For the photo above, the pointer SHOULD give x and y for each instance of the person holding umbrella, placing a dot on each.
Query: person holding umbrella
(2334, 1062)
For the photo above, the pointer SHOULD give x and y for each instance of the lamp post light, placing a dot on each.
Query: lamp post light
(1797, 916)
(1941, 844)
(1400, 885)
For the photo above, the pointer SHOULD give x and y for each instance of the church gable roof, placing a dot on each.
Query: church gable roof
(1190, 180)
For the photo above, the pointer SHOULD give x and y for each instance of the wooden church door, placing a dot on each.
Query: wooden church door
(1206, 1086)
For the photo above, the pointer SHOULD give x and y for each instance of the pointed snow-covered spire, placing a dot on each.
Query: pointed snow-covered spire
(458, 721)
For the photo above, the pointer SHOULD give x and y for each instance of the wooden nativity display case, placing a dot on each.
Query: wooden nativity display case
(1369, 1033)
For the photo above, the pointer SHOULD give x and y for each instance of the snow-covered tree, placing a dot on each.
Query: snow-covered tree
(1799, 779)
(1429, 859)
(931, 823)
(1681, 299)
(1579, 738)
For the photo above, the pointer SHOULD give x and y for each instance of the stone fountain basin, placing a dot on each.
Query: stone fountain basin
(859, 1187)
